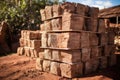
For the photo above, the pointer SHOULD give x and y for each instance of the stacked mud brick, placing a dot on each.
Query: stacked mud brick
(74, 40)
(30, 43)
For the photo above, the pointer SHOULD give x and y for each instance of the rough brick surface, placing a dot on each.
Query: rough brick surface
(48, 54)
(64, 40)
(48, 25)
(43, 14)
(91, 24)
(93, 39)
(85, 42)
(35, 44)
(42, 27)
(44, 39)
(72, 22)
(80, 9)
(53, 40)
(20, 51)
(111, 36)
(70, 40)
(46, 65)
(55, 68)
(91, 66)
(93, 12)
(68, 7)
(21, 41)
(39, 64)
(57, 24)
(56, 55)
(49, 12)
(88, 39)
(101, 25)
(71, 56)
(112, 60)
(86, 54)
(95, 52)
(103, 39)
(27, 51)
(57, 10)
(103, 62)
(71, 70)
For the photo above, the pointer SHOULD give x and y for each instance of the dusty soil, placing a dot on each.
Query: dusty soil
(14, 67)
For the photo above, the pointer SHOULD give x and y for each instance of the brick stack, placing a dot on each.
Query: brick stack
(75, 41)
(30, 43)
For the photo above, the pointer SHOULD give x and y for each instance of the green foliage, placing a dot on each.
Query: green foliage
(23, 14)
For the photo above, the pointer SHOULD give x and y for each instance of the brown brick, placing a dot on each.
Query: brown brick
(57, 10)
(72, 22)
(85, 42)
(43, 14)
(68, 7)
(39, 35)
(91, 66)
(55, 68)
(71, 56)
(35, 43)
(101, 25)
(91, 24)
(46, 65)
(44, 39)
(56, 55)
(93, 12)
(71, 70)
(27, 52)
(88, 39)
(109, 49)
(28, 43)
(21, 41)
(22, 33)
(80, 9)
(103, 39)
(103, 62)
(111, 36)
(95, 52)
(93, 39)
(20, 51)
(64, 40)
(53, 40)
(48, 25)
(32, 53)
(70, 40)
(48, 54)
(112, 60)
(39, 64)
(48, 11)
(32, 35)
(41, 54)
(57, 24)
(87, 10)
(86, 54)
(42, 27)
(36, 52)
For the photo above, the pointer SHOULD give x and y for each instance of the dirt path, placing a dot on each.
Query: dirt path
(14, 67)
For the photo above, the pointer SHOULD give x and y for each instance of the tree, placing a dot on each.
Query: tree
(23, 14)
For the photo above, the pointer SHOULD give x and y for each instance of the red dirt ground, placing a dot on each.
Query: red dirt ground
(14, 67)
